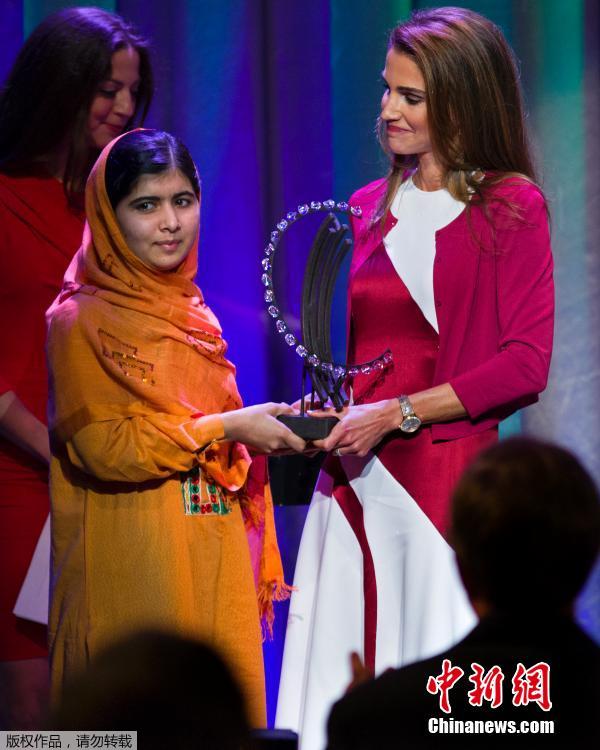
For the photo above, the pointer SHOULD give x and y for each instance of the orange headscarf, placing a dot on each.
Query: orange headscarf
(166, 305)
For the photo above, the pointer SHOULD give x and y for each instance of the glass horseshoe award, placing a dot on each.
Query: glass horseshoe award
(330, 246)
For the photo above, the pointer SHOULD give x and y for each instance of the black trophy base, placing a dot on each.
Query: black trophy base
(309, 428)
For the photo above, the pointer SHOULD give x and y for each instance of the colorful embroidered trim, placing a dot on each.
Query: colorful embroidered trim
(201, 496)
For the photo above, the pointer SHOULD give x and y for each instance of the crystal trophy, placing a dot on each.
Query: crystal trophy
(329, 248)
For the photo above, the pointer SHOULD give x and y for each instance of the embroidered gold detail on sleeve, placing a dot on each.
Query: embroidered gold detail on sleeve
(126, 357)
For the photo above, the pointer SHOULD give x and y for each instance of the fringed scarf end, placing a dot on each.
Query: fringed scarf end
(272, 591)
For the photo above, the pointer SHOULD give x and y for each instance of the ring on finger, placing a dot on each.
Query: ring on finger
(337, 452)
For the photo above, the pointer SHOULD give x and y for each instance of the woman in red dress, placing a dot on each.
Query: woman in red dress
(452, 271)
(81, 78)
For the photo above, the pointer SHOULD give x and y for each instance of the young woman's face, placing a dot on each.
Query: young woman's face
(114, 103)
(160, 219)
(403, 107)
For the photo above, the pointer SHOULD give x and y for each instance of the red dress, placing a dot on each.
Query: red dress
(39, 234)
(375, 573)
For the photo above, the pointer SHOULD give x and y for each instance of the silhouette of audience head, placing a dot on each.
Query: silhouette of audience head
(175, 692)
(525, 525)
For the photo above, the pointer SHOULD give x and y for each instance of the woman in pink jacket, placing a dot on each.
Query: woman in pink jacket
(452, 271)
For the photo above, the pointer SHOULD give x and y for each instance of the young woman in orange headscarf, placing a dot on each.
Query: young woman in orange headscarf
(159, 515)
(82, 77)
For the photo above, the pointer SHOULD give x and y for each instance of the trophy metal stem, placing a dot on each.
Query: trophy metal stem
(329, 248)
(303, 393)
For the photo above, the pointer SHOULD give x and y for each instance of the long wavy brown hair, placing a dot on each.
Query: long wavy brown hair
(47, 95)
(474, 104)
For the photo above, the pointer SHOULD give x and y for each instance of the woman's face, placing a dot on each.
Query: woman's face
(114, 103)
(403, 107)
(160, 219)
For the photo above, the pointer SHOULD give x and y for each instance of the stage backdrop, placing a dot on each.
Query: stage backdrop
(277, 101)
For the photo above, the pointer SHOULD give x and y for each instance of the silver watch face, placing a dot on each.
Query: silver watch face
(410, 423)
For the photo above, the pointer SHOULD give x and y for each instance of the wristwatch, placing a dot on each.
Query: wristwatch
(411, 422)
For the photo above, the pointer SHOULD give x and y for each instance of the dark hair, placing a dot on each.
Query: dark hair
(145, 152)
(176, 692)
(474, 103)
(526, 525)
(47, 95)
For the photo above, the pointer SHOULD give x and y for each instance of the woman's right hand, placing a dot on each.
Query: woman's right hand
(257, 427)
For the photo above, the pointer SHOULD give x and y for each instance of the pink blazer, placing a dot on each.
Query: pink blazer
(494, 297)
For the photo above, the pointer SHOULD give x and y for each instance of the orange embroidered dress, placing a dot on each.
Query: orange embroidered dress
(156, 522)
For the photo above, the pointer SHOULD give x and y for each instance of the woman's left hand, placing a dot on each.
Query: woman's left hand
(361, 427)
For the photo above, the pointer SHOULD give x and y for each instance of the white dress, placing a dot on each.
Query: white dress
(421, 606)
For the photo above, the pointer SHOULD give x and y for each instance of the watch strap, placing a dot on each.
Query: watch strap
(406, 406)
(410, 422)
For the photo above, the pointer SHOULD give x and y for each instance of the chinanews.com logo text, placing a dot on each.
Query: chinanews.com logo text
(441, 725)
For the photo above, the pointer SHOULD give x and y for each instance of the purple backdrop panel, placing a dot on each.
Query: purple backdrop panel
(11, 34)
(289, 522)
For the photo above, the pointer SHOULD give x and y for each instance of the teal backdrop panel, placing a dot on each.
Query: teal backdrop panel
(36, 10)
